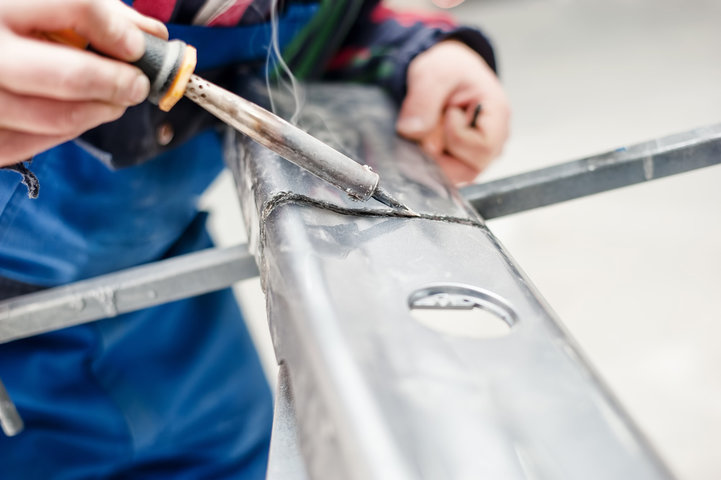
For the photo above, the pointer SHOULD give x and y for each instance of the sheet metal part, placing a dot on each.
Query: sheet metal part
(124, 291)
(638, 163)
(285, 461)
(376, 393)
(290, 142)
(10, 420)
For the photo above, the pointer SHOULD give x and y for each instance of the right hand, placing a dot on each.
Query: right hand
(51, 93)
(445, 83)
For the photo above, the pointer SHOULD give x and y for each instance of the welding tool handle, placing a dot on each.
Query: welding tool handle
(158, 62)
(167, 64)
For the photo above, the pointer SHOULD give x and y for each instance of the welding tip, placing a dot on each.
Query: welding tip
(386, 198)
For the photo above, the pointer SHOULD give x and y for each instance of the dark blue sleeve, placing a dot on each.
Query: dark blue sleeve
(383, 42)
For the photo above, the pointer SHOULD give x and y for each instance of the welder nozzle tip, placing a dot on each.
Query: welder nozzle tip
(387, 199)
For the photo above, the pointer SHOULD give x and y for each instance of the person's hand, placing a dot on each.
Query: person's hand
(51, 93)
(446, 83)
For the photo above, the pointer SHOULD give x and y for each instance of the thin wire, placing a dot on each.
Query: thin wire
(274, 55)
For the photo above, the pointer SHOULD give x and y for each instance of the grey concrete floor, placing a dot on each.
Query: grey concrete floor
(634, 274)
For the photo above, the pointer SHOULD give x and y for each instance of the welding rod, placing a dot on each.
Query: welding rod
(289, 141)
(170, 65)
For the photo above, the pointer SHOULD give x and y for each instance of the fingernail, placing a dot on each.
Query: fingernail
(411, 125)
(163, 30)
(140, 89)
(434, 146)
(135, 43)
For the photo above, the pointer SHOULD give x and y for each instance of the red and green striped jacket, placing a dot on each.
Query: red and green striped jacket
(348, 39)
(344, 40)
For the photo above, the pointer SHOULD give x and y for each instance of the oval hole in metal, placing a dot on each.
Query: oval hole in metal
(461, 310)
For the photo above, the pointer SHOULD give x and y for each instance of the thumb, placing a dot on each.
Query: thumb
(422, 108)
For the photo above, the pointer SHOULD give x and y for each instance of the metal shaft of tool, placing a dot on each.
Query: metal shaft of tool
(288, 141)
(622, 167)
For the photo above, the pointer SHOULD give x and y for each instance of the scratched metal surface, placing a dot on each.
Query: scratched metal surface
(379, 395)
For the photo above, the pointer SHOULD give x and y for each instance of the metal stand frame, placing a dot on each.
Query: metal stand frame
(365, 390)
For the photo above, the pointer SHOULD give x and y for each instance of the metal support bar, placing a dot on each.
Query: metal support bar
(125, 291)
(10, 421)
(379, 393)
(642, 162)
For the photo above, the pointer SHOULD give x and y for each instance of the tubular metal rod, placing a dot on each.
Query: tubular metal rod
(125, 291)
(287, 140)
(642, 162)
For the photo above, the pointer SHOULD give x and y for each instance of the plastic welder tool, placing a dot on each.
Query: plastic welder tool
(170, 65)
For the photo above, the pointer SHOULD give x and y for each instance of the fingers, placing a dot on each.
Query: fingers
(470, 145)
(462, 150)
(147, 24)
(51, 93)
(54, 117)
(19, 146)
(457, 171)
(423, 105)
(457, 147)
(39, 68)
(35, 67)
(445, 84)
(30, 125)
(109, 25)
(434, 143)
(476, 145)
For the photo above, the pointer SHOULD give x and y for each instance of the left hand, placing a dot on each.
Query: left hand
(51, 93)
(445, 84)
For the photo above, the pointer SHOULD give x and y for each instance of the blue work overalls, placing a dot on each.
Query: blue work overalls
(175, 391)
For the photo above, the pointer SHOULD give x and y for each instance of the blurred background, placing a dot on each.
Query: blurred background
(634, 274)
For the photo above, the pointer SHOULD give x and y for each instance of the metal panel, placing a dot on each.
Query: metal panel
(377, 393)
(285, 460)
(622, 167)
(125, 291)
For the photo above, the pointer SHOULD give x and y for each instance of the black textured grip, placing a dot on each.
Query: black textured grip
(160, 63)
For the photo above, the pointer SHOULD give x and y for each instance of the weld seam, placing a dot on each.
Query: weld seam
(285, 198)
